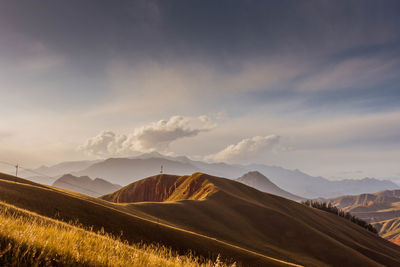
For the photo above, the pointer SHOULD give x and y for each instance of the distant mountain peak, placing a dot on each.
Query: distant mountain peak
(261, 182)
(86, 185)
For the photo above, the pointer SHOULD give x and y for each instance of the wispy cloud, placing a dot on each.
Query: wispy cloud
(351, 73)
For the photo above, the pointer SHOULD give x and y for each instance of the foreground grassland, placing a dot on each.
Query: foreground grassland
(27, 239)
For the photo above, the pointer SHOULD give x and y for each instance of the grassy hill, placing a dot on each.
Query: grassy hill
(268, 224)
(211, 216)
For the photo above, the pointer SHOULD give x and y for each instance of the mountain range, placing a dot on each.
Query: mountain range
(126, 170)
(381, 209)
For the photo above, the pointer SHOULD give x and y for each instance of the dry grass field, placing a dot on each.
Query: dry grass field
(28, 239)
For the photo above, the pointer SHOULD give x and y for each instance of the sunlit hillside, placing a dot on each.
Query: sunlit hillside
(27, 239)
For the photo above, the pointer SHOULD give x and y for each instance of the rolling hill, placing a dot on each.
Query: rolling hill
(262, 183)
(227, 210)
(85, 185)
(382, 209)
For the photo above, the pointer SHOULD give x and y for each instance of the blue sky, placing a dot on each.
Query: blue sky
(312, 85)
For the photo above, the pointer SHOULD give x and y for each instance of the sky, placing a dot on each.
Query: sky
(309, 85)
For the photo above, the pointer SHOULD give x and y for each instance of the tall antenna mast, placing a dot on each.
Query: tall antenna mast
(161, 170)
(16, 170)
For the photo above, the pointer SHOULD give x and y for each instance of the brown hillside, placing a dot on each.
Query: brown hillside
(271, 225)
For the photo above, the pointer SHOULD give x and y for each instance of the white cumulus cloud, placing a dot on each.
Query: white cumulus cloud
(245, 149)
(156, 136)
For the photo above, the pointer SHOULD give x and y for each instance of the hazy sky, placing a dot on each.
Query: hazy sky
(312, 85)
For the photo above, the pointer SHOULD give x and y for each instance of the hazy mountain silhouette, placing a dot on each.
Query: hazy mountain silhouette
(308, 186)
(126, 170)
(256, 180)
(83, 184)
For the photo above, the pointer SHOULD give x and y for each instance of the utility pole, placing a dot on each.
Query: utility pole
(161, 170)
(16, 170)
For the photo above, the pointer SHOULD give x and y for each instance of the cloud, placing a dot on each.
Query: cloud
(245, 149)
(156, 136)
(357, 72)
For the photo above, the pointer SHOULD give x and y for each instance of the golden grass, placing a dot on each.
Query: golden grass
(27, 239)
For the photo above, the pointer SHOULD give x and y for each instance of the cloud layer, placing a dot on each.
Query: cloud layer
(156, 136)
(245, 149)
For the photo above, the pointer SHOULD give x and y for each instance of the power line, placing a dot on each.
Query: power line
(17, 166)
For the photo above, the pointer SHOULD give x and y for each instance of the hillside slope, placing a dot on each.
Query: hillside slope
(133, 226)
(258, 181)
(229, 211)
(33, 240)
